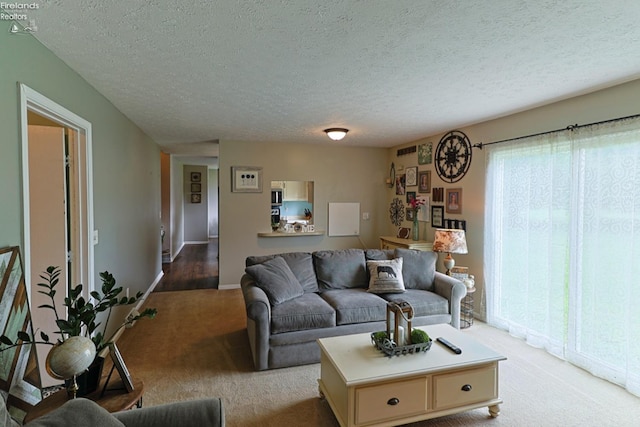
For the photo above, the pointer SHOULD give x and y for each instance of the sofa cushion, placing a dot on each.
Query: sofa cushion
(379, 254)
(418, 268)
(276, 279)
(308, 311)
(340, 269)
(77, 412)
(385, 276)
(424, 303)
(5, 418)
(356, 306)
(300, 263)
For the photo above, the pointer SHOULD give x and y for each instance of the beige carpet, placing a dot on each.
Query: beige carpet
(197, 347)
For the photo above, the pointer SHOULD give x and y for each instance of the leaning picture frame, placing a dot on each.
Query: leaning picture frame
(246, 179)
(118, 362)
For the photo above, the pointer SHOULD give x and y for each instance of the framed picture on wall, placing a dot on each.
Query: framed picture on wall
(454, 200)
(424, 181)
(437, 216)
(247, 179)
(196, 177)
(196, 198)
(196, 187)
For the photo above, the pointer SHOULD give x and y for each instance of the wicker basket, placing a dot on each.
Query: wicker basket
(390, 348)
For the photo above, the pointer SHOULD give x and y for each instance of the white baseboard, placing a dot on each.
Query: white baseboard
(227, 287)
(196, 242)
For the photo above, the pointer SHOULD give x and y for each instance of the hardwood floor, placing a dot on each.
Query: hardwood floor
(195, 267)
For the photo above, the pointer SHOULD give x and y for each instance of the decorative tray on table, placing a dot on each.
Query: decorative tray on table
(390, 348)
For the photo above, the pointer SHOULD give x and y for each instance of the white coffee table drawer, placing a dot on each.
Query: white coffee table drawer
(390, 400)
(465, 387)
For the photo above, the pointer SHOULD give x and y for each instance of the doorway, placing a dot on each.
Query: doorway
(58, 212)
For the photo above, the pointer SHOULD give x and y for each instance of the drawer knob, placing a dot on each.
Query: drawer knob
(466, 387)
(393, 401)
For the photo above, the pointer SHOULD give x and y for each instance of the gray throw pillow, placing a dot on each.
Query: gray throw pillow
(385, 277)
(276, 279)
(418, 268)
(5, 418)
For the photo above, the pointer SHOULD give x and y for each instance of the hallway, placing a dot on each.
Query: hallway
(195, 267)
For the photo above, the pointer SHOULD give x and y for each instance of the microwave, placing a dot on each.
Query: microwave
(276, 197)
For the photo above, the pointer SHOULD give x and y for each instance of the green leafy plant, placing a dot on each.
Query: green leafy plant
(419, 336)
(81, 315)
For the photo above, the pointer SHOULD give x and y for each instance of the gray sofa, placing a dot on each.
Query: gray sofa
(292, 299)
(84, 412)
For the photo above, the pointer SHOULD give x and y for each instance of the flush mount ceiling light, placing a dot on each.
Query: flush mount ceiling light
(336, 133)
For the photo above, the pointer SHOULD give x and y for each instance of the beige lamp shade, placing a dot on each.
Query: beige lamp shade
(70, 358)
(451, 241)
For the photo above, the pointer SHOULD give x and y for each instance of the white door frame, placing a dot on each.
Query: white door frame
(30, 100)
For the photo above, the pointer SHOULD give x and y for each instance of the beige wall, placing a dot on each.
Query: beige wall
(619, 101)
(340, 174)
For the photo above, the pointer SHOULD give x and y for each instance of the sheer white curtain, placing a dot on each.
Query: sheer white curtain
(562, 245)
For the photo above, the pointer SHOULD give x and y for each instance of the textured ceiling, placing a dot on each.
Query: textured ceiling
(284, 70)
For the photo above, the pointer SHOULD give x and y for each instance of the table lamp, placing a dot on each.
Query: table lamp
(451, 241)
(70, 358)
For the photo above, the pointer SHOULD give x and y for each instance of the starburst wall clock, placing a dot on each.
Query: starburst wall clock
(453, 156)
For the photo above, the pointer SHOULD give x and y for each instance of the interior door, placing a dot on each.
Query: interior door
(48, 225)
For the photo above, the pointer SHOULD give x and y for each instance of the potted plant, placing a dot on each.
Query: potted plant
(82, 319)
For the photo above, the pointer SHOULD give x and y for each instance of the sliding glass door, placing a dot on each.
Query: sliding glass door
(562, 245)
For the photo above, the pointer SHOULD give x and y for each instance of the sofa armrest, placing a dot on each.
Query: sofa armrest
(258, 311)
(453, 290)
(191, 413)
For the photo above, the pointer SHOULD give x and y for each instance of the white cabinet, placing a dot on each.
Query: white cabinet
(295, 191)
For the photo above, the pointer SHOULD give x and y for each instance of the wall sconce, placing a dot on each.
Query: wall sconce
(392, 176)
(336, 134)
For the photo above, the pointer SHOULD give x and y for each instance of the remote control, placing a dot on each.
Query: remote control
(450, 346)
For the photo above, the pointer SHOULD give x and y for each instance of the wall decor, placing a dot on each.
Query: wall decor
(19, 373)
(403, 232)
(400, 186)
(196, 198)
(196, 177)
(453, 156)
(407, 150)
(396, 211)
(438, 194)
(247, 179)
(454, 200)
(410, 214)
(423, 211)
(411, 174)
(425, 153)
(437, 216)
(410, 196)
(457, 224)
(424, 181)
(196, 187)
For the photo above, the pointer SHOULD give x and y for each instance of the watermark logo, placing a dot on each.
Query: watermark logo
(13, 11)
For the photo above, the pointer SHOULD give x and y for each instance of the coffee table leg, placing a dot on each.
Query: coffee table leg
(494, 411)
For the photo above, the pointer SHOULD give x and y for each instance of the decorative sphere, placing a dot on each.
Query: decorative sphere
(72, 357)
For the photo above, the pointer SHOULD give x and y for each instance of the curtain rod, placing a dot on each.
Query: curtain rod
(569, 128)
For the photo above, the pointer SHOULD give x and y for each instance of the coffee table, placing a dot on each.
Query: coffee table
(364, 387)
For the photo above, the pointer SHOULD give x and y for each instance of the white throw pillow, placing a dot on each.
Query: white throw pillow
(385, 277)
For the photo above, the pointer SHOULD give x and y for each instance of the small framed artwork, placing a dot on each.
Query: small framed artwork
(196, 198)
(424, 181)
(412, 176)
(400, 187)
(246, 179)
(410, 196)
(403, 232)
(196, 187)
(438, 194)
(118, 362)
(196, 177)
(437, 216)
(425, 153)
(410, 214)
(423, 211)
(454, 200)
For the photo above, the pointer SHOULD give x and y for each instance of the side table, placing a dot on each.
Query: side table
(113, 400)
(466, 309)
